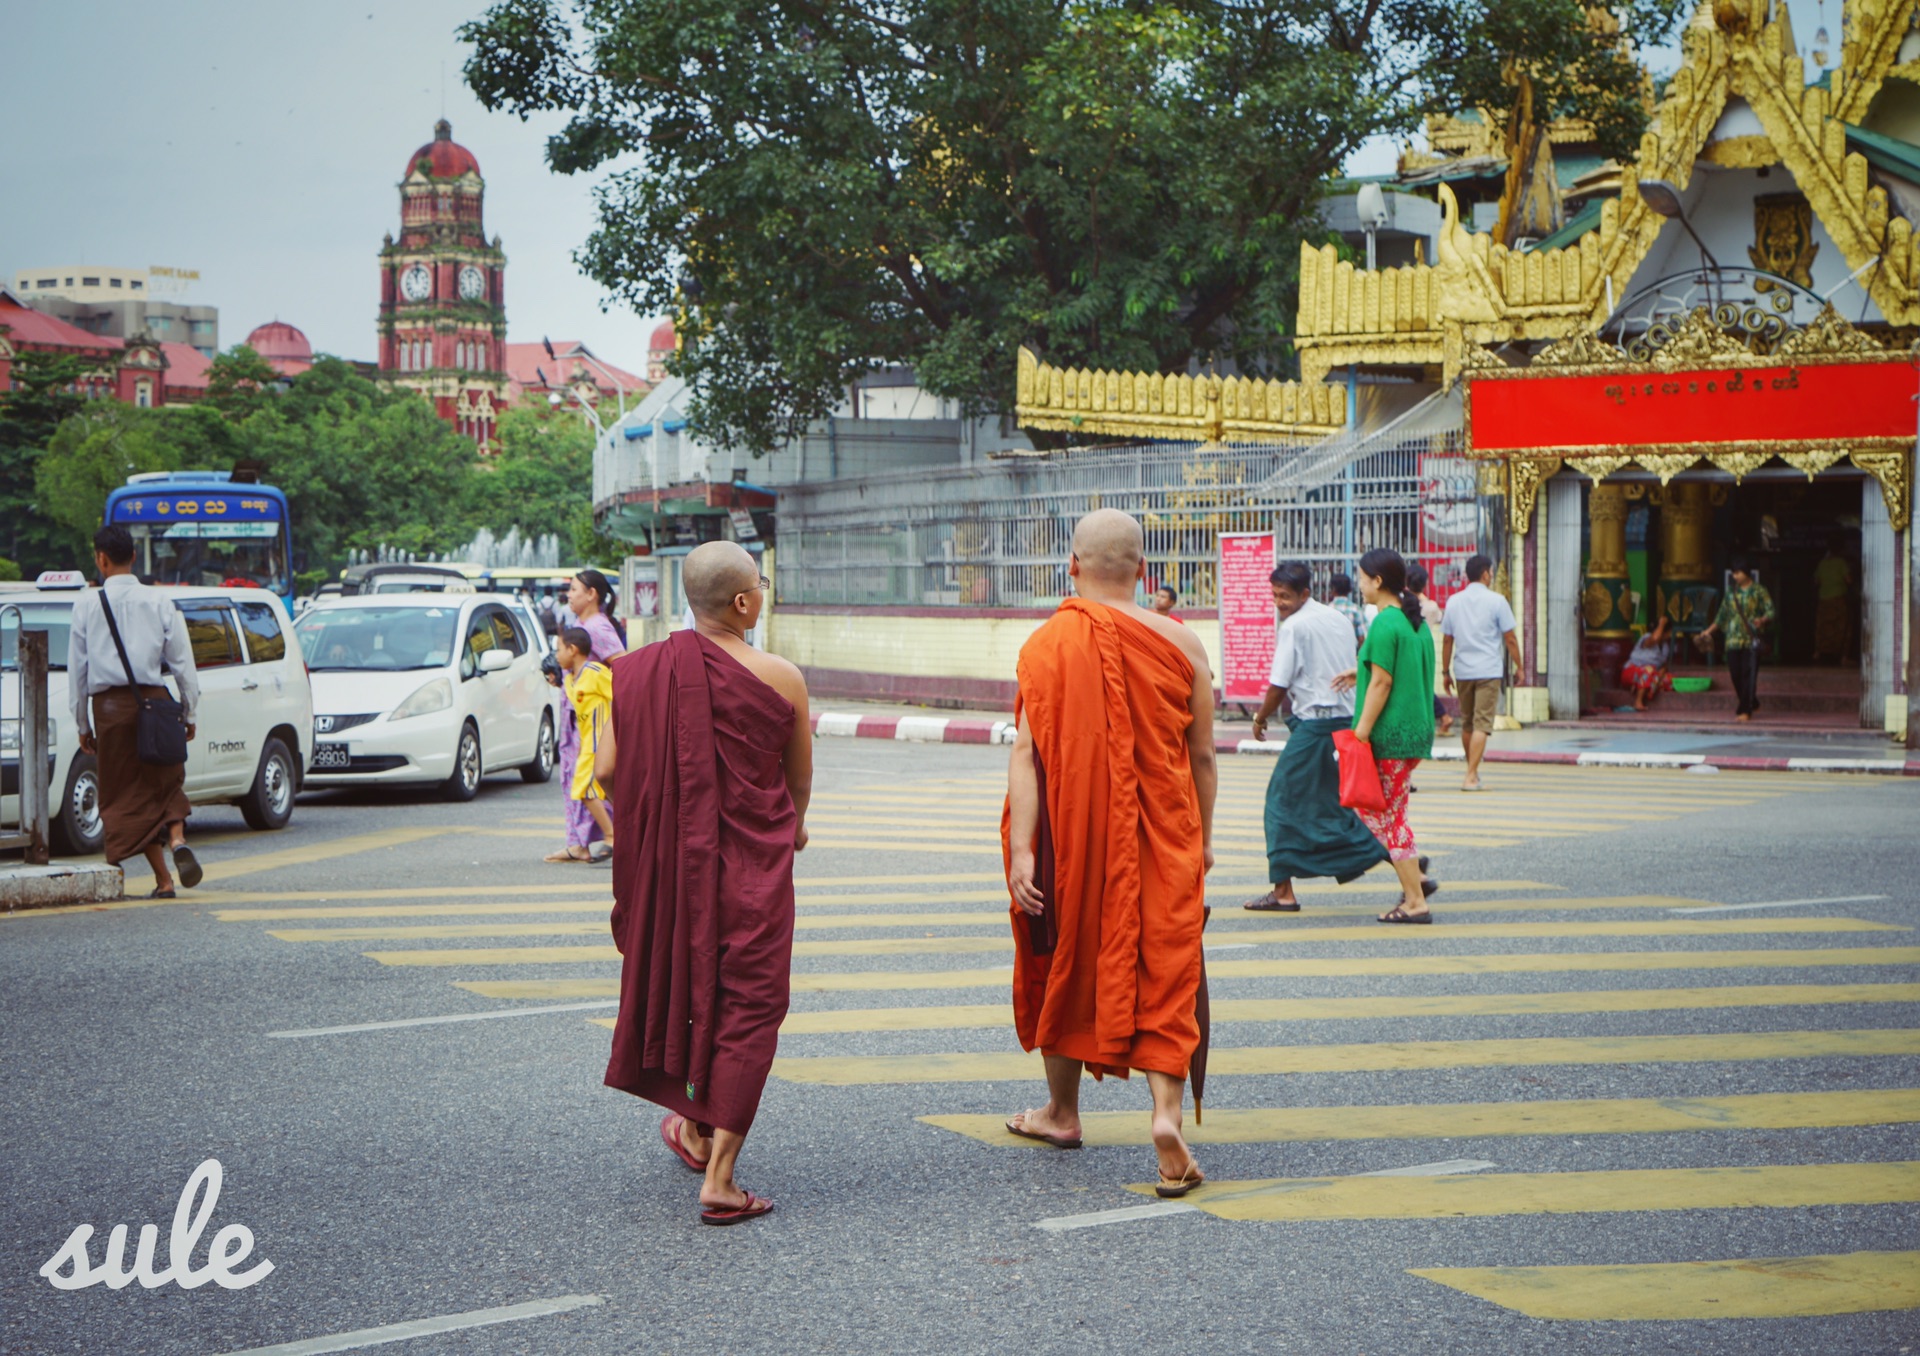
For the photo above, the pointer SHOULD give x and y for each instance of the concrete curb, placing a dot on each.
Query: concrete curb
(50, 887)
(946, 730)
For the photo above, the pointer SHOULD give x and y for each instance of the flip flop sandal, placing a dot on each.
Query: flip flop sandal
(158, 893)
(1399, 914)
(563, 856)
(187, 866)
(1057, 1141)
(670, 1136)
(1267, 904)
(1171, 1188)
(754, 1207)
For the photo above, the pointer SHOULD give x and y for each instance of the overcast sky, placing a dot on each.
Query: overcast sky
(262, 144)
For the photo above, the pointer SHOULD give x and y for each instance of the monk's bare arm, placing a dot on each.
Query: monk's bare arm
(1023, 801)
(797, 759)
(1200, 755)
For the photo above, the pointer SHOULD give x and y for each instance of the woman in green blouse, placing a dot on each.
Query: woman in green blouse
(1745, 616)
(1393, 711)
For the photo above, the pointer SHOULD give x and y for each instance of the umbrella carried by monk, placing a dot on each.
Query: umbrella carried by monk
(1107, 835)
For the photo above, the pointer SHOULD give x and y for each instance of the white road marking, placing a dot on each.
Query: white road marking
(423, 1327)
(439, 1021)
(1780, 904)
(1127, 1214)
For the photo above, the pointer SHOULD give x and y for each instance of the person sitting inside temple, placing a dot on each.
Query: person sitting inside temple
(1648, 670)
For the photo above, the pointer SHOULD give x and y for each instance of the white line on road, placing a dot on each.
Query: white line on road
(423, 1327)
(438, 1021)
(1127, 1214)
(1780, 904)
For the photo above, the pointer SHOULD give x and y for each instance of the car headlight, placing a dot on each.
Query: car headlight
(10, 735)
(434, 696)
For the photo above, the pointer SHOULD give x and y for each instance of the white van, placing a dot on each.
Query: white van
(253, 735)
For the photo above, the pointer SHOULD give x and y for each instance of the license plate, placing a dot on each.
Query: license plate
(331, 755)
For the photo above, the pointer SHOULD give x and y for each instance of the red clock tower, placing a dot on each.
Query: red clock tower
(443, 310)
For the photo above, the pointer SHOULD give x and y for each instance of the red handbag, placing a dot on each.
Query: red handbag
(1360, 787)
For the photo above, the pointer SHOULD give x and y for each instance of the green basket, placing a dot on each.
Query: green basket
(1692, 684)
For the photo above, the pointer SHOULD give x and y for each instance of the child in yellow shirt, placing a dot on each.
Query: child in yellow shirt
(590, 689)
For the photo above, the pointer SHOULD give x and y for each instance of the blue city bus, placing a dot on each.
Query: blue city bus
(206, 528)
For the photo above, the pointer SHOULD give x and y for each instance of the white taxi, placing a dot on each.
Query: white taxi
(254, 723)
(436, 688)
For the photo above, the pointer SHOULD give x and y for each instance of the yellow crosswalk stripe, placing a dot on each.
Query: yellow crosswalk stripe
(1382, 1056)
(230, 868)
(542, 988)
(1473, 1120)
(1292, 967)
(1746, 1287)
(993, 1016)
(1559, 1193)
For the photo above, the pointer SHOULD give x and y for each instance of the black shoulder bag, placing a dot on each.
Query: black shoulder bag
(160, 730)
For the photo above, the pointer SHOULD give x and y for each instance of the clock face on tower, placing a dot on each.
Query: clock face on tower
(416, 284)
(473, 284)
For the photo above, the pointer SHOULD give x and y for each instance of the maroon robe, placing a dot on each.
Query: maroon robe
(702, 879)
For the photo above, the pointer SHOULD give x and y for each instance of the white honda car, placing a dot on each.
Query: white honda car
(427, 688)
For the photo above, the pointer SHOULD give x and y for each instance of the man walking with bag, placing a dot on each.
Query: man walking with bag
(126, 638)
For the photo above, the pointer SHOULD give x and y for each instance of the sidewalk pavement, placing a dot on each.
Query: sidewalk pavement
(1735, 748)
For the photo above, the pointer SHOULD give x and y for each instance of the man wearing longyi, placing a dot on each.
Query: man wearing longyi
(712, 766)
(1107, 833)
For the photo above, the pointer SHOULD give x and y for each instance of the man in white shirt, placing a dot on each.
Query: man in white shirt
(1478, 627)
(144, 808)
(1309, 832)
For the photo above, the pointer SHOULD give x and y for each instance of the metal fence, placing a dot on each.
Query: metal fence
(999, 535)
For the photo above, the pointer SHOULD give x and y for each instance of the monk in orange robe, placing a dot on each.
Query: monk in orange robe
(711, 760)
(1107, 832)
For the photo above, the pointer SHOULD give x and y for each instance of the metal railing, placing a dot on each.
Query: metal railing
(28, 744)
(1000, 535)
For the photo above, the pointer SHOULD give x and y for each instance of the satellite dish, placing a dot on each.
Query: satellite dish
(1371, 206)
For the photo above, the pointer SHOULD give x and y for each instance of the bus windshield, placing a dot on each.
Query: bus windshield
(229, 555)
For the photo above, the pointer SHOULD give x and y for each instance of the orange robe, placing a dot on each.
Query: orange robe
(1107, 700)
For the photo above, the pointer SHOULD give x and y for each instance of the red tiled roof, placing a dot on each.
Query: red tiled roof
(186, 366)
(525, 362)
(28, 328)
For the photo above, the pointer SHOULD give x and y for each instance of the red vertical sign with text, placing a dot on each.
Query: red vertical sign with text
(1246, 615)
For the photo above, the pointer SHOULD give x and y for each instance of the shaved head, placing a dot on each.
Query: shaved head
(1110, 545)
(714, 573)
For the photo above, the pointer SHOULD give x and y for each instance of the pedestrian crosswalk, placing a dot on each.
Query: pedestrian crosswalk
(901, 992)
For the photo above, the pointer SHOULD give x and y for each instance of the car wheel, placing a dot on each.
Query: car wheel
(77, 828)
(545, 755)
(269, 804)
(464, 782)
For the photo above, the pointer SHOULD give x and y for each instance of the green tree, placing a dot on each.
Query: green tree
(8, 570)
(41, 397)
(541, 477)
(91, 454)
(240, 382)
(823, 188)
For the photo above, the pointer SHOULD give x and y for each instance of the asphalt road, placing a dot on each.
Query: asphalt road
(1618, 1094)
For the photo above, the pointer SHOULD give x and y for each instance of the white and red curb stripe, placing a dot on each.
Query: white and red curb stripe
(948, 730)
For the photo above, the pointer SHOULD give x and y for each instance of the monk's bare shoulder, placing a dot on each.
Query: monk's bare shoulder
(1182, 636)
(779, 674)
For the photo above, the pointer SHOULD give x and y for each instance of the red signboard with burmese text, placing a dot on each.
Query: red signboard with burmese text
(1246, 615)
(1757, 404)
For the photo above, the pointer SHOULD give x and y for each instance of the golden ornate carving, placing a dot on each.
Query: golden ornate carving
(1754, 152)
(1894, 471)
(1737, 464)
(1829, 335)
(1668, 466)
(1598, 469)
(1696, 342)
(1607, 532)
(1582, 350)
(1187, 408)
(1783, 240)
(1525, 475)
(1596, 604)
(1813, 463)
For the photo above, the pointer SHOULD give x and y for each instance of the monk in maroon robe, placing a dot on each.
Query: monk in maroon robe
(712, 765)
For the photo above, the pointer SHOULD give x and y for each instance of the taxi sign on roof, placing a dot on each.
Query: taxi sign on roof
(60, 579)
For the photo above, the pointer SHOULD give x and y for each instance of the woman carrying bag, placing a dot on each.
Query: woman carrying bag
(1393, 720)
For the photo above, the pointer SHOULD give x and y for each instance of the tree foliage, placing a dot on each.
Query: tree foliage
(40, 397)
(819, 188)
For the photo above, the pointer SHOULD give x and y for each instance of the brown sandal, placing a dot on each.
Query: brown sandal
(1171, 1188)
(1398, 914)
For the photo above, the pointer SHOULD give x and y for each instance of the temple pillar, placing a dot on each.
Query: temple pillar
(1605, 606)
(1686, 595)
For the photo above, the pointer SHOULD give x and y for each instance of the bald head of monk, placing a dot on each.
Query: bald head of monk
(1109, 553)
(722, 584)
